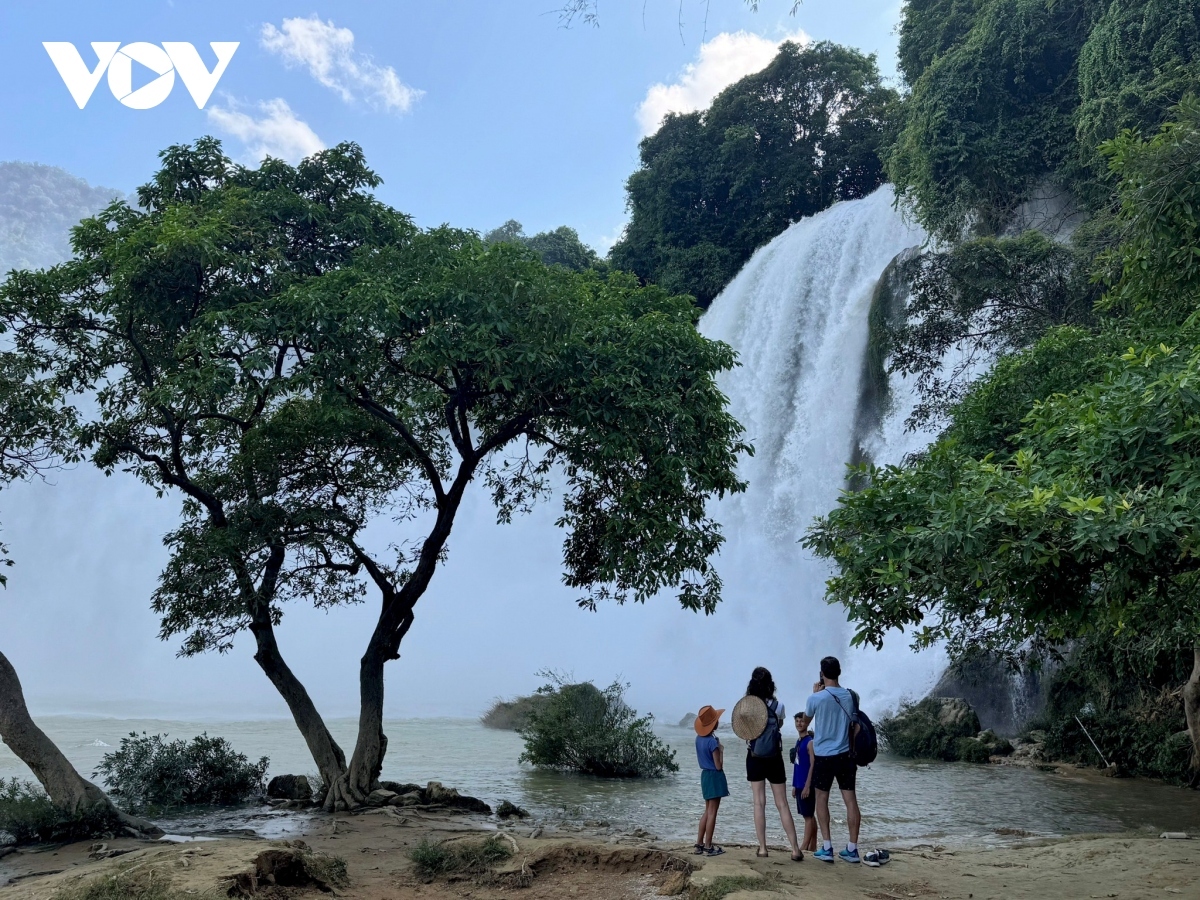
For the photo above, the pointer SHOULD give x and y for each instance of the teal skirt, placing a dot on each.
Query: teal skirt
(713, 784)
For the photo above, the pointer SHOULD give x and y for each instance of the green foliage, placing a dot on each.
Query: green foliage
(1141, 58)
(149, 772)
(28, 815)
(560, 247)
(1124, 690)
(772, 148)
(979, 300)
(581, 728)
(918, 731)
(437, 860)
(989, 116)
(1009, 95)
(1159, 258)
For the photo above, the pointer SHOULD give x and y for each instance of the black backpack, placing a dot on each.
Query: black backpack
(769, 742)
(864, 746)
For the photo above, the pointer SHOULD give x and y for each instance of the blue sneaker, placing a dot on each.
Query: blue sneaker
(824, 855)
(848, 855)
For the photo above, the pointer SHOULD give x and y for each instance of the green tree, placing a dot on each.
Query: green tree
(294, 358)
(774, 147)
(560, 247)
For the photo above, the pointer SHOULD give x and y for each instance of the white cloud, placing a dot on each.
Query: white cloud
(721, 62)
(278, 132)
(328, 53)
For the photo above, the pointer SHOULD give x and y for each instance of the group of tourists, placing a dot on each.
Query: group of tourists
(834, 739)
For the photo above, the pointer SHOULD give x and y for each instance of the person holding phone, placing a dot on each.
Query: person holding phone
(832, 708)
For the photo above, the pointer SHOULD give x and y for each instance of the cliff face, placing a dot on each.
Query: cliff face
(39, 205)
(1005, 701)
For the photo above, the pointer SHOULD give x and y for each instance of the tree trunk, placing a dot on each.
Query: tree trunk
(330, 760)
(366, 762)
(1191, 709)
(66, 788)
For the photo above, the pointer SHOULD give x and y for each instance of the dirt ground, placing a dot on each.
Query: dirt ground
(375, 846)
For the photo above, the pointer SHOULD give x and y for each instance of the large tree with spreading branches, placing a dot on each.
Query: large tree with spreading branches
(295, 359)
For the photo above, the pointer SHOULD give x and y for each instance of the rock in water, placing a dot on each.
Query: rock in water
(290, 787)
(507, 810)
(686, 721)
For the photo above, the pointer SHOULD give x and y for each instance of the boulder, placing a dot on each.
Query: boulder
(380, 797)
(290, 787)
(931, 729)
(956, 716)
(436, 794)
(686, 721)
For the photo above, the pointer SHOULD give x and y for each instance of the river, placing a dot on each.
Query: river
(904, 801)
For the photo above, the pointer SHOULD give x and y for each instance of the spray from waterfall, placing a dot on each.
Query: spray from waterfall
(798, 316)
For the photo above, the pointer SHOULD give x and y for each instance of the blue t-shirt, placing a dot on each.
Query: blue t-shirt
(800, 770)
(705, 747)
(831, 721)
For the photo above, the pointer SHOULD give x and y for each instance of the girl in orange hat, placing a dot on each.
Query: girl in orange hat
(711, 756)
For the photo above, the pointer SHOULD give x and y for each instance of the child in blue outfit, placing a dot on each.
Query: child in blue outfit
(711, 756)
(802, 772)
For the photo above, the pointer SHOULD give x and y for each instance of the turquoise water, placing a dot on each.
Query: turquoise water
(904, 801)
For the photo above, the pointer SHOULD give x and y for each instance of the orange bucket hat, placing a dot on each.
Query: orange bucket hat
(706, 720)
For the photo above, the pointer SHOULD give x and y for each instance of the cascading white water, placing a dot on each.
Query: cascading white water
(797, 314)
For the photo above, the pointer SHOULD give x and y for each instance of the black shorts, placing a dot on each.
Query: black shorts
(765, 768)
(827, 768)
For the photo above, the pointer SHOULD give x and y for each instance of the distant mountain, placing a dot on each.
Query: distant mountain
(38, 207)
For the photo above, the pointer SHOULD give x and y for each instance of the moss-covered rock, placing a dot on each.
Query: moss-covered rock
(930, 728)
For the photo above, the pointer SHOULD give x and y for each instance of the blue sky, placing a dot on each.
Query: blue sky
(516, 116)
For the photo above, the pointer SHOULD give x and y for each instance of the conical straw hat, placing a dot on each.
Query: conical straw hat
(749, 717)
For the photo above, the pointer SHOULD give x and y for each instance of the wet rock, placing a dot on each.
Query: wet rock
(436, 794)
(413, 798)
(686, 721)
(290, 787)
(933, 728)
(507, 810)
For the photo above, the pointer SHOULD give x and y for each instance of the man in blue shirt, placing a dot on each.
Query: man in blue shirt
(831, 708)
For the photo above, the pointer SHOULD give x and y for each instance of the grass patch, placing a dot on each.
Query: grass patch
(464, 858)
(126, 884)
(724, 885)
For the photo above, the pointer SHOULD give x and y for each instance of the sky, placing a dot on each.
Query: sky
(472, 113)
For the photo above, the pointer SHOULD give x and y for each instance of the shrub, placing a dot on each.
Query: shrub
(148, 771)
(126, 883)
(468, 858)
(922, 730)
(27, 814)
(581, 728)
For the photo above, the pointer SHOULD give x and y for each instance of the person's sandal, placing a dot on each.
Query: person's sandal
(713, 851)
(798, 856)
(761, 854)
(699, 849)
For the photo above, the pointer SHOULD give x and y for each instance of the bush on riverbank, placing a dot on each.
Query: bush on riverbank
(1126, 693)
(28, 816)
(933, 728)
(147, 771)
(581, 728)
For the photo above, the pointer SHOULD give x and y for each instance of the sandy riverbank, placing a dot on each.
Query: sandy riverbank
(376, 845)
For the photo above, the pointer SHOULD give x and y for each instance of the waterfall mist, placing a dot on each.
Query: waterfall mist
(76, 623)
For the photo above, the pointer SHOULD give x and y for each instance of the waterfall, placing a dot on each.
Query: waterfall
(797, 314)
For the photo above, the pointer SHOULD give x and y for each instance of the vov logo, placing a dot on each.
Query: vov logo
(164, 61)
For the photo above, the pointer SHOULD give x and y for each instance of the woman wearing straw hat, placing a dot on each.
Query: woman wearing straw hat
(758, 718)
(711, 756)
